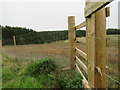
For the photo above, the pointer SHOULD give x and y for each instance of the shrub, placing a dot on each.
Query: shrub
(69, 80)
(42, 66)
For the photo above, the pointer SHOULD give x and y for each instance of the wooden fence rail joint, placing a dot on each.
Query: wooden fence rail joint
(85, 85)
(99, 71)
(107, 11)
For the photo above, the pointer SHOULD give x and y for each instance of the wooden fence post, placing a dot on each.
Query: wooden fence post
(100, 48)
(90, 38)
(71, 37)
(96, 49)
(14, 40)
(96, 42)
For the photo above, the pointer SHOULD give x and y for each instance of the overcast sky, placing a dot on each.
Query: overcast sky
(48, 14)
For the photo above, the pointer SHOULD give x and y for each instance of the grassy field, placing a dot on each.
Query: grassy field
(57, 50)
(112, 61)
(60, 51)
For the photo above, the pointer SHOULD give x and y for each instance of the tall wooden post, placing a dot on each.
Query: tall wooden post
(90, 38)
(14, 40)
(96, 48)
(100, 48)
(71, 37)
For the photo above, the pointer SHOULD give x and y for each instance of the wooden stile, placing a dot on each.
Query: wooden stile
(71, 37)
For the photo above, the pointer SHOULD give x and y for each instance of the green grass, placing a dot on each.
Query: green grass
(79, 40)
(69, 79)
(17, 76)
(113, 38)
(36, 74)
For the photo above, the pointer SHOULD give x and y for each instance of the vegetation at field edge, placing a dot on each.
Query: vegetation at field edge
(37, 74)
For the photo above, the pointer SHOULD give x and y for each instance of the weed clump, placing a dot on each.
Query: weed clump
(69, 79)
(42, 66)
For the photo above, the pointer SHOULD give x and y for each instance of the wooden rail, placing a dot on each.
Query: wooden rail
(81, 64)
(81, 73)
(85, 84)
(84, 81)
(83, 24)
(93, 7)
(81, 53)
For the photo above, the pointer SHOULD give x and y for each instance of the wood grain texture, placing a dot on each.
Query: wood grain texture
(85, 85)
(100, 47)
(92, 7)
(83, 24)
(71, 37)
(90, 34)
(107, 11)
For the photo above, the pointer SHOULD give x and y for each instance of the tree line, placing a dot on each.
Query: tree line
(29, 36)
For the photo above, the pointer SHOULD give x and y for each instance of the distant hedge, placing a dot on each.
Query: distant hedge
(113, 31)
(29, 36)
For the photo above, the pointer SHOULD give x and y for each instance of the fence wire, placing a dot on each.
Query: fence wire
(112, 60)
